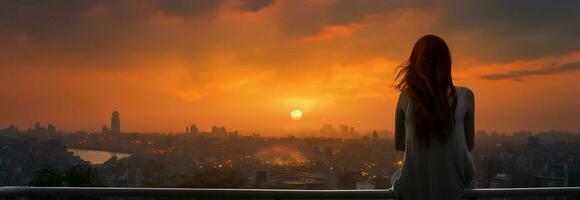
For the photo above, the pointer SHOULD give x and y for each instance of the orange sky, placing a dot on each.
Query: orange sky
(246, 64)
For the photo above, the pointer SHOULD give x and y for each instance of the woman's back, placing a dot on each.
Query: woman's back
(440, 170)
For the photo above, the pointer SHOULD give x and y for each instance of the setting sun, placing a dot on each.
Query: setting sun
(296, 114)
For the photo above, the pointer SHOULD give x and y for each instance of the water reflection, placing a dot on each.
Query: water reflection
(97, 157)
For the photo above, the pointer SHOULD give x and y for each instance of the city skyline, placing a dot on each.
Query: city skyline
(166, 160)
(328, 130)
(248, 64)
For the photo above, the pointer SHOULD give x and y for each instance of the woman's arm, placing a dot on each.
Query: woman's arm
(469, 122)
(400, 122)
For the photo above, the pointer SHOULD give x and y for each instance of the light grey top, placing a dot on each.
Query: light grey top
(440, 170)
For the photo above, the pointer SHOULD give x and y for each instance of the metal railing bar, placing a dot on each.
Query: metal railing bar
(24, 191)
(522, 192)
(194, 192)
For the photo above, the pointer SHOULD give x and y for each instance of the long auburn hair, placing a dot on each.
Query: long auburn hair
(426, 77)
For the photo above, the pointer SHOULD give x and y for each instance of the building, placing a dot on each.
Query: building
(37, 126)
(51, 129)
(193, 130)
(364, 185)
(218, 132)
(261, 178)
(115, 123)
(553, 175)
(343, 130)
(327, 130)
(38, 129)
(501, 180)
(382, 182)
(105, 130)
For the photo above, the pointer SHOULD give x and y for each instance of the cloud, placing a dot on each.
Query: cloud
(123, 34)
(513, 30)
(306, 18)
(189, 8)
(254, 5)
(519, 74)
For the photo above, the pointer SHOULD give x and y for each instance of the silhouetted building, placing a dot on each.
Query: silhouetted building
(343, 130)
(327, 130)
(38, 129)
(37, 126)
(553, 175)
(115, 123)
(501, 181)
(261, 178)
(364, 185)
(105, 130)
(219, 132)
(381, 182)
(51, 129)
(375, 136)
(353, 132)
(193, 129)
(533, 141)
(10, 130)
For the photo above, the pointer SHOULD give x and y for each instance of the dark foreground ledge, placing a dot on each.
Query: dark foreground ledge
(23, 191)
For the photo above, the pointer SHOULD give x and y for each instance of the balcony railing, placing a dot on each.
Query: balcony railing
(22, 191)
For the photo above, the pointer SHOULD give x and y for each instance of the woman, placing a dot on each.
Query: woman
(434, 125)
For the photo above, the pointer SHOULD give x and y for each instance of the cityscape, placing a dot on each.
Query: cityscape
(220, 158)
(289, 99)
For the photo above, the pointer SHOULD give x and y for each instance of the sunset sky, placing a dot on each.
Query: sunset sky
(246, 64)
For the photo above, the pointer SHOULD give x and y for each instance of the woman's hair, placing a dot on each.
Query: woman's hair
(426, 77)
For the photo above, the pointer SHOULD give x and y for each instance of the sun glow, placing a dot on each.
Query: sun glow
(295, 114)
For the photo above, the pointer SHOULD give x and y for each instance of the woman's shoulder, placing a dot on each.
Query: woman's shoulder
(464, 90)
(404, 97)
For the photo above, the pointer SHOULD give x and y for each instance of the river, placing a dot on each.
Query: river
(97, 157)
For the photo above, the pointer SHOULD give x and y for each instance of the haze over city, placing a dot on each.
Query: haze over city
(246, 65)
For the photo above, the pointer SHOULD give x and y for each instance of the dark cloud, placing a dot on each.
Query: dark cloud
(513, 30)
(300, 19)
(507, 31)
(254, 5)
(519, 74)
(349, 11)
(96, 34)
(189, 8)
(57, 26)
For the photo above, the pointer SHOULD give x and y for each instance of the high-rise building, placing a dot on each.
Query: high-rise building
(343, 130)
(218, 132)
(115, 123)
(51, 129)
(38, 129)
(328, 130)
(37, 126)
(193, 129)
